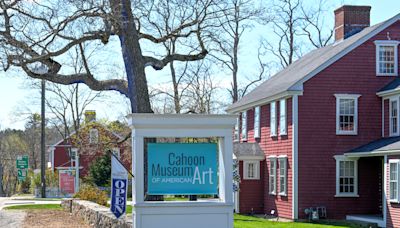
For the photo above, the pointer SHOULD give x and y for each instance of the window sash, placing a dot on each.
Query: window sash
(236, 133)
(273, 118)
(346, 114)
(93, 136)
(272, 176)
(282, 117)
(394, 118)
(251, 170)
(244, 125)
(257, 122)
(386, 59)
(283, 176)
(346, 177)
(394, 180)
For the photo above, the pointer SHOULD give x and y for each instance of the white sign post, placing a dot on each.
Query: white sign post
(213, 213)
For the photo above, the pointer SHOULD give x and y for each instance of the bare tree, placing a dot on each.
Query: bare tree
(237, 20)
(42, 32)
(292, 21)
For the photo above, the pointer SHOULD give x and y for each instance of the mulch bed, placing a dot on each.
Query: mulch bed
(52, 218)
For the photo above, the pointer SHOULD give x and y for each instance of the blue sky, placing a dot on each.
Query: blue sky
(16, 97)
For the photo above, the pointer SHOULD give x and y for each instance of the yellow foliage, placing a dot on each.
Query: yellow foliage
(93, 194)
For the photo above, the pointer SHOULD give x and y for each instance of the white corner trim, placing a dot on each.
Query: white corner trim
(295, 165)
(384, 203)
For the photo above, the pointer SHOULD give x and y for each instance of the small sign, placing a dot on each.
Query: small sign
(67, 181)
(119, 187)
(22, 161)
(182, 168)
(22, 173)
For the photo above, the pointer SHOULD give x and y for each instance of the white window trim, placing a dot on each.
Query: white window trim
(273, 122)
(347, 96)
(274, 160)
(257, 114)
(390, 116)
(394, 161)
(244, 126)
(338, 159)
(117, 152)
(284, 159)
(236, 136)
(282, 123)
(256, 165)
(378, 44)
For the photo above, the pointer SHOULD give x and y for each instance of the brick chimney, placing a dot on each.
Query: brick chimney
(350, 20)
(90, 116)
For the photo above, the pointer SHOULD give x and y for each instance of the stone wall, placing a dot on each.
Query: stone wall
(96, 215)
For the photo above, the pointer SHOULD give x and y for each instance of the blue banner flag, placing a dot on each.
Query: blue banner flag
(182, 168)
(119, 188)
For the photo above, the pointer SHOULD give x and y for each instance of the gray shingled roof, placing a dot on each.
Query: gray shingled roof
(305, 67)
(380, 145)
(247, 150)
(395, 84)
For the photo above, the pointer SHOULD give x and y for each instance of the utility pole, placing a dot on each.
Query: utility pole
(43, 149)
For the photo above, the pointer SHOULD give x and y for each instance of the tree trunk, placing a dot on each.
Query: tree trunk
(133, 59)
(175, 85)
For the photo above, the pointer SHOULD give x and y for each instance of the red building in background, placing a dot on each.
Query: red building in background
(93, 140)
(324, 132)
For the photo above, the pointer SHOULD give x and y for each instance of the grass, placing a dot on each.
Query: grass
(41, 199)
(35, 206)
(242, 221)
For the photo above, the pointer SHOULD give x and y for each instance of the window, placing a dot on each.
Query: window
(257, 122)
(394, 120)
(93, 136)
(251, 170)
(273, 118)
(386, 57)
(394, 180)
(283, 176)
(236, 134)
(346, 177)
(116, 152)
(272, 175)
(72, 155)
(346, 114)
(244, 125)
(282, 117)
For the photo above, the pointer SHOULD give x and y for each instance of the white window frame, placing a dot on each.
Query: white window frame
(256, 170)
(391, 133)
(347, 96)
(117, 152)
(390, 43)
(244, 125)
(236, 131)
(282, 161)
(257, 113)
(397, 163)
(282, 117)
(272, 174)
(93, 132)
(342, 158)
(273, 120)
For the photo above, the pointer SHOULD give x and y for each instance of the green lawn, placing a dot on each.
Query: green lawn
(35, 206)
(41, 199)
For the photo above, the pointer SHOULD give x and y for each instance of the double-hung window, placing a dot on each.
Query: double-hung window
(257, 122)
(236, 133)
(386, 57)
(251, 170)
(393, 118)
(273, 118)
(93, 136)
(394, 180)
(282, 175)
(346, 177)
(346, 114)
(272, 175)
(244, 125)
(282, 117)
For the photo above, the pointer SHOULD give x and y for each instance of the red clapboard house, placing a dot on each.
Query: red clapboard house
(93, 141)
(324, 132)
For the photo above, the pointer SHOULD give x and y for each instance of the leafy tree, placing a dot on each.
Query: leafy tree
(100, 171)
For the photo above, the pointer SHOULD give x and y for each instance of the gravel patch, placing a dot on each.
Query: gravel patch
(11, 219)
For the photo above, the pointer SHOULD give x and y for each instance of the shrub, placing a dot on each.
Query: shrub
(36, 182)
(93, 194)
(100, 171)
